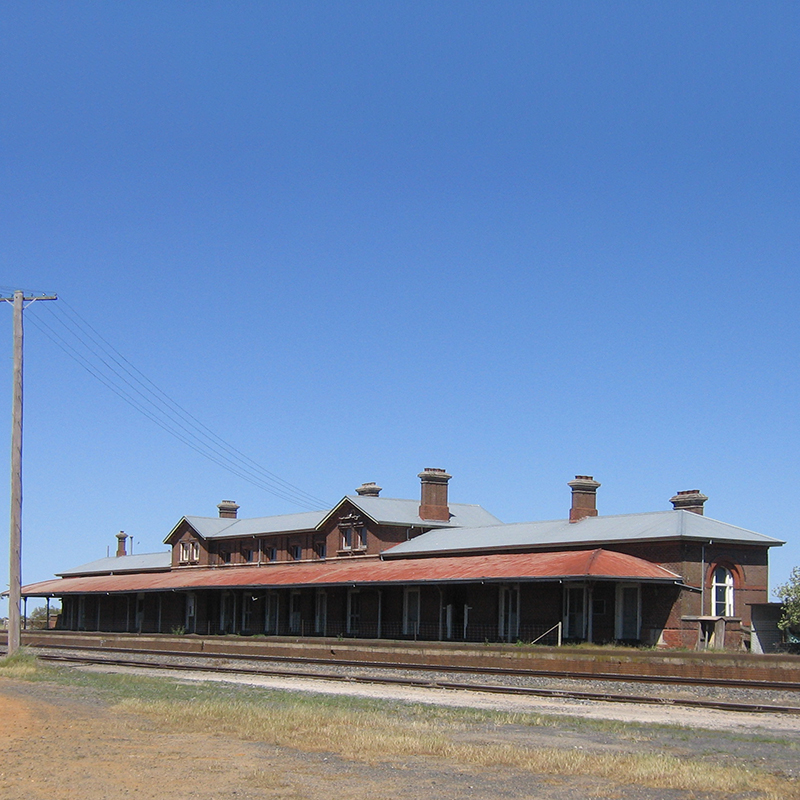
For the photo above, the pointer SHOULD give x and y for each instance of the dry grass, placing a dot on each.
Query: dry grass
(377, 736)
(374, 733)
(23, 666)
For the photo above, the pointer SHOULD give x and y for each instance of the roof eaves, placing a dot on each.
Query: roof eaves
(174, 530)
(337, 507)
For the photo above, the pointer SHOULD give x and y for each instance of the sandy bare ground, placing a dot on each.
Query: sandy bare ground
(62, 743)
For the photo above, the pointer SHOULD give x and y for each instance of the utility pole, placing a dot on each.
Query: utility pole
(15, 558)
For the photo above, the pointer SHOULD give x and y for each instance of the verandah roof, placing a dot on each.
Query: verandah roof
(595, 564)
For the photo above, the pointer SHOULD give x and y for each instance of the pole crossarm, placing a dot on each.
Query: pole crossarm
(15, 541)
(31, 298)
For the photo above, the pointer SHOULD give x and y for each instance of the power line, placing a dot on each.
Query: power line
(85, 345)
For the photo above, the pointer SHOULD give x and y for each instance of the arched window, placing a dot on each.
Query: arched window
(723, 592)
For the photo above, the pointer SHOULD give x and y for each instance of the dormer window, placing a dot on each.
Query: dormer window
(189, 552)
(354, 535)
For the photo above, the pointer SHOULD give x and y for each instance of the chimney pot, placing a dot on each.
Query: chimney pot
(370, 489)
(433, 502)
(228, 509)
(121, 537)
(689, 500)
(584, 497)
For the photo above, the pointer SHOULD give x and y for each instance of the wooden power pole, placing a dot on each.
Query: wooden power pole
(15, 557)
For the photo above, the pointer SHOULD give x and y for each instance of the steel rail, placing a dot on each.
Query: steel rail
(627, 677)
(431, 684)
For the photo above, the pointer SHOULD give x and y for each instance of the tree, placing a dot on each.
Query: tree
(789, 594)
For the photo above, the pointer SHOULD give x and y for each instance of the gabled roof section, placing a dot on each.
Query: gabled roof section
(497, 567)
(115, 565)
(395, 511)
(653, 526)
(219, 528)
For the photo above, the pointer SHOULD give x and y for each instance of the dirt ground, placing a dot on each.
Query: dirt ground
(59, 743)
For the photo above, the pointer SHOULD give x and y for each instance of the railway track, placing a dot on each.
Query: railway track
(425, 676)
(516, 671)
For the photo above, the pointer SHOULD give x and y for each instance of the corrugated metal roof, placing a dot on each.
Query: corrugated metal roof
(141, 562)
(394, 511)
(214, 527)
(656, 525)
(383, 510)
(597, 564)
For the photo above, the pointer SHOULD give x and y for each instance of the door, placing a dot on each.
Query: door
(574, 612)
(271, 613)
(411, 607)
(508, 626)
(628, 612)
(139, 621)
(321, 613)
(191, 611)
(294, 612)
(353, 611)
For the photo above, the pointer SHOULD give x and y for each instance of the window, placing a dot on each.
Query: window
(320, 549)
(295, 552)
(347, 538)
(271, 553)
(248, 555)
(722, 592)
(225, 556)
(599, 607)
(354, 538)
(189, 552)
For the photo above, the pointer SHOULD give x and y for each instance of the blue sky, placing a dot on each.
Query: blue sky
(519, 241)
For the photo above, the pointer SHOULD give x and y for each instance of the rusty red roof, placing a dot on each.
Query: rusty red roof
(595, 564)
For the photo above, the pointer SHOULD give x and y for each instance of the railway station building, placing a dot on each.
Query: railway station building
(428, 569)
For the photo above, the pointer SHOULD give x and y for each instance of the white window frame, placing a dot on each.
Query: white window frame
(725, 586)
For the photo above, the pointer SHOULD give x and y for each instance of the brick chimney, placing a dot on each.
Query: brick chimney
(370, 489)
(690, 500)
(433, 503)
(121, 537)
(227, 509)
(584, 497)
